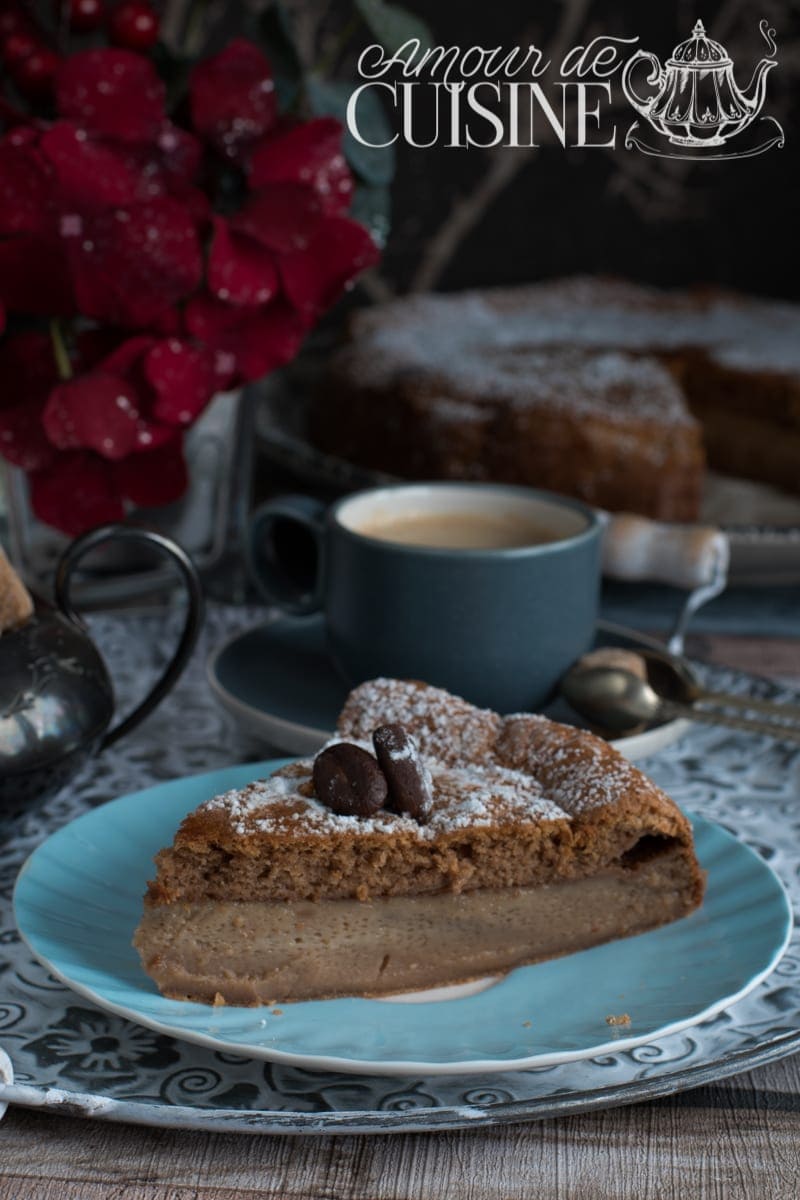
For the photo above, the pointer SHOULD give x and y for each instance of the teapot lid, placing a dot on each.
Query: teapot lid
(699, 51)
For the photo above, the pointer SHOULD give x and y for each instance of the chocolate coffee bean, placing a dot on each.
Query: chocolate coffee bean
(348, 780)
(409, 782)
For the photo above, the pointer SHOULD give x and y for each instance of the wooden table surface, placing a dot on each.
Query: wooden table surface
(736, 1140)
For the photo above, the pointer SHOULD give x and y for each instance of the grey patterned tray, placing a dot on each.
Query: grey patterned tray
(64, 1054)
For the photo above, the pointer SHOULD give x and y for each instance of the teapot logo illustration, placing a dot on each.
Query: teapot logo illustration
(695, 107)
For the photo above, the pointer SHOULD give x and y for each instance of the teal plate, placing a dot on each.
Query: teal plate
(78, 900)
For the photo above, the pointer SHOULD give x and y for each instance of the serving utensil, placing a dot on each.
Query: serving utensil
(618, 700)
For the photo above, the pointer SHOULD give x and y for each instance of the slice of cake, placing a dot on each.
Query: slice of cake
(431, 843)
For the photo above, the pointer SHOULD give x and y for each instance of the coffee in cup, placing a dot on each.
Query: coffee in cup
(459, 530)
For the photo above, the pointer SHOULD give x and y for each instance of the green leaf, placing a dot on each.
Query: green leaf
(393, 25)
(175, 71)
(372, 206)
(274, 34)
(371, 165)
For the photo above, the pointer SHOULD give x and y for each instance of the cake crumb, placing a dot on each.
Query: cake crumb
(526, 1024)
(277, 1012)
(621, 1019)
(219, 1000)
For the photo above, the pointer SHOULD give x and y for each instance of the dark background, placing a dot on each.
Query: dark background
(567, 211)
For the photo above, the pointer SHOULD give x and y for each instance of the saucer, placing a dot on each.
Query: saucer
(279, 684)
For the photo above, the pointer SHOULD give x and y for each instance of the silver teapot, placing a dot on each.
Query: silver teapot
(56, 697)
(697, 102)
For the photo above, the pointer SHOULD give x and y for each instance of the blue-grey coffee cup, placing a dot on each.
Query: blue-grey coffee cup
(498, 626)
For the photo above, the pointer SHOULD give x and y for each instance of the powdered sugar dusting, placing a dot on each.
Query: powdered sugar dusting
(275, 805)
(586, 312)
(575, 770)
(483, 771)
(445, 728)
(578, 345)
(579, 771)
(486, 795)
(462, 798)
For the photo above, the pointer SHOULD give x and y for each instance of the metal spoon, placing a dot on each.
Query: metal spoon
(617, 700)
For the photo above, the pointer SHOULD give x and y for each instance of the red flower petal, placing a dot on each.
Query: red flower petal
(171, 164)
(309, 153)
(315, 278)
(232, 98)
(256, 339)
(97, 412)
(130, 360)
(131, 265)
(184, 380)
(240, 270)
(90, 175)
(113, 93)
(35, 277)
(181, 154)
(21, 135)
(76, 493)
(22, 438)
(155, 478)
(129, 355)
(26, 204)
(284, 217)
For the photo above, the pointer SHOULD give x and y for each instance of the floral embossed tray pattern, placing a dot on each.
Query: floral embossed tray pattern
(66, 1054)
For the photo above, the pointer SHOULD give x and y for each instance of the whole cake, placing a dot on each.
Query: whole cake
(431, 842)
(602, 389)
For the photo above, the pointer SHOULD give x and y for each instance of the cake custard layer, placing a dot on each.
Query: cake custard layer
(258, 952)
(540, 840)
(603, 389)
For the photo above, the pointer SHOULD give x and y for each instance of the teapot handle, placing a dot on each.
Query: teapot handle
(194, 615)
(655, 76)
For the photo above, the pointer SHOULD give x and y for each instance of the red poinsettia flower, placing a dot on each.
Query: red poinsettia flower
(82, 489)
(253, 339)
(116, 99)
(118, 431)
(113, 94)
(309, 153)
(286, 256)
(102, 216)
(77, 204)
(273, 268)
(132, 400)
